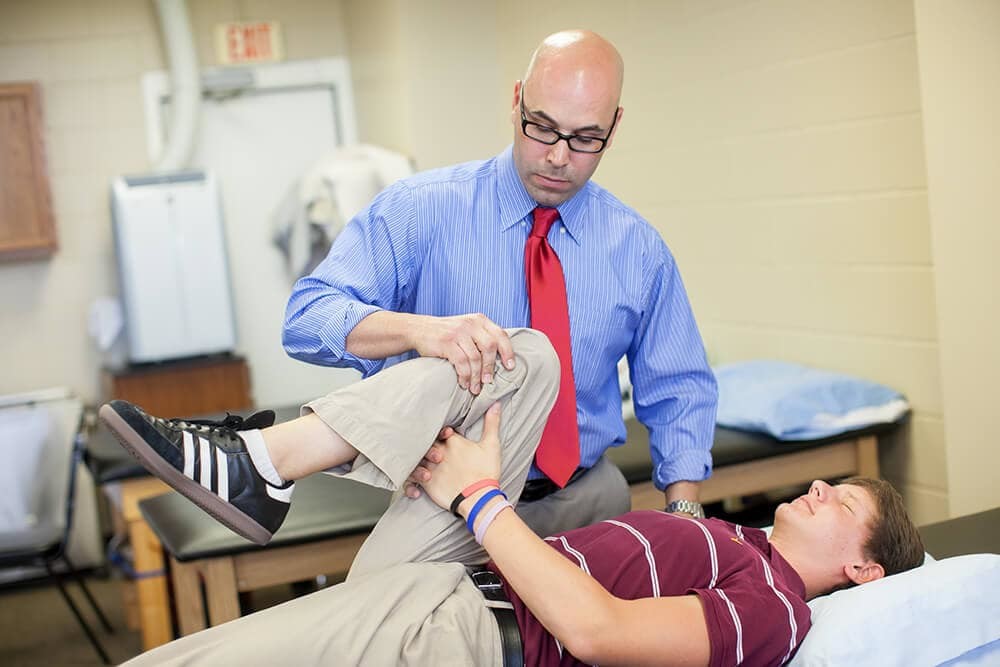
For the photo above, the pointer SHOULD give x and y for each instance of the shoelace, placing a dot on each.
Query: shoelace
(231, 422)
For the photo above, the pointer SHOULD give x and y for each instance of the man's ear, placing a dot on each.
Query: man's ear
(515, 106)
(863, 572)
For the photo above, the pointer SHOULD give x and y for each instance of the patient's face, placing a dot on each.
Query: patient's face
(833, 520)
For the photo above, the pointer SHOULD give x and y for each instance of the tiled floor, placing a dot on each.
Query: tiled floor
(37, 628)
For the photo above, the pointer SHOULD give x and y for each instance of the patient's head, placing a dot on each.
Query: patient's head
(894, 541)
(848, 534)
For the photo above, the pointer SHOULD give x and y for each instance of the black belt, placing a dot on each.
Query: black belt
(536, 489)
(491, 586)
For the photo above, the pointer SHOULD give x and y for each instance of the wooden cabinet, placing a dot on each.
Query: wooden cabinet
(26, 226)
(188, 388)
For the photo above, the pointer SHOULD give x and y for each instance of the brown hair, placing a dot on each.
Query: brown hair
(894, 542)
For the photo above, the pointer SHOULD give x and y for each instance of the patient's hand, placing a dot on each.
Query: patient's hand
(463, 461)
(422, 472)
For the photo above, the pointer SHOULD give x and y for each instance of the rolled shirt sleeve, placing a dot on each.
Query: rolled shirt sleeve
(368, 269)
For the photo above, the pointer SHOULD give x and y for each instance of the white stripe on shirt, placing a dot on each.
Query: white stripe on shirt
(739, 626)
(580, 558)
(654, 577)
(793, 626)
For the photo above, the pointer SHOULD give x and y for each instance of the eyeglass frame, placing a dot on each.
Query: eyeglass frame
(565, 137)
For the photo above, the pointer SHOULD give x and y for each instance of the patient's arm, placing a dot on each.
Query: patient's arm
(576, 609)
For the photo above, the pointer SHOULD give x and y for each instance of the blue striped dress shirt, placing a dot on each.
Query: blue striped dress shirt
(451, 241)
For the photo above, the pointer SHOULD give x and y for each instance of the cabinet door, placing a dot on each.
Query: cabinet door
(26, 227)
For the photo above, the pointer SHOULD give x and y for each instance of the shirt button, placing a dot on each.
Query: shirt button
(562, 229)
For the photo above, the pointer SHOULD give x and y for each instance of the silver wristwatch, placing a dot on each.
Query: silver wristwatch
(687, 506)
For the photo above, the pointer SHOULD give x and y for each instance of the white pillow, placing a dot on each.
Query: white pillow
(925, 616)
(23, 434)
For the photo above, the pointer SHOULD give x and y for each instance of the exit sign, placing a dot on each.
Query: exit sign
(249, 42)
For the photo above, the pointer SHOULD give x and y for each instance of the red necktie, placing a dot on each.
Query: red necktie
(558, 454)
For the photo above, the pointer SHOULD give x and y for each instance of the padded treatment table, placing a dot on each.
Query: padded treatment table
(746, 463)
(328, 520)
(972, 534)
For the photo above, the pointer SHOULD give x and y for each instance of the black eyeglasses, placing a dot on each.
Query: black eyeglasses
(550, 136)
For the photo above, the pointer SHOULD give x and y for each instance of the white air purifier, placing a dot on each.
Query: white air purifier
(172, 265)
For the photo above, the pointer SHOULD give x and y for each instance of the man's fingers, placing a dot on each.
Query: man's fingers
(486, 341)
(412, 491)
(505, 349)
(466, 362)
(475, 358)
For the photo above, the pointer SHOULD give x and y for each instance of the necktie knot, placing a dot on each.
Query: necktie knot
(543, 219)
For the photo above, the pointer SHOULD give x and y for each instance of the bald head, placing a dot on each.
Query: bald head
(577, 59)
(570, 92)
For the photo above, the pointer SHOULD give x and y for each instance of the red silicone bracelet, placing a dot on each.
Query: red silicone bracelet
(481, 484)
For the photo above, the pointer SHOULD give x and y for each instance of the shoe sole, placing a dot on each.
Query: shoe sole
(222, 511)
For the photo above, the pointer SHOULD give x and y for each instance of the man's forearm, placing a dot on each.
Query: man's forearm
(382, 334)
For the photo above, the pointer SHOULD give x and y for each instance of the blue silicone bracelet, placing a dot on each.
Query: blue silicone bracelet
(489, 495)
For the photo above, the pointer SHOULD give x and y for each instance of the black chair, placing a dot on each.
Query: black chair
(43, 540)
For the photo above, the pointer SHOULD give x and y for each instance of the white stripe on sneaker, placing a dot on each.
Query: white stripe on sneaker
(205, 459)
(188, 456)
(284, 495)
(222, 472)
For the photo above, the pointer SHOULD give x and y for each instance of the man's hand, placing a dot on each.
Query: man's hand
(463, 461)
(470, 342)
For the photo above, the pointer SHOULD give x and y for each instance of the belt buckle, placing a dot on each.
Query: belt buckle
(487, 580)
(490, 585)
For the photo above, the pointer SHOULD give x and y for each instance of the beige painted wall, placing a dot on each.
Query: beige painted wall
(425, 77)
(778, 146)
(89, 56)
(959, 53)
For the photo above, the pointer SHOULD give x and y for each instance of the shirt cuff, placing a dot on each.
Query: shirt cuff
(334, 335)
(689, 465)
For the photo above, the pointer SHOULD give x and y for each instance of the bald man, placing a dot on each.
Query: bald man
(440, 264)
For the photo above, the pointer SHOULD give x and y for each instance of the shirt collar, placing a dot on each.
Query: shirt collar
(516, 204)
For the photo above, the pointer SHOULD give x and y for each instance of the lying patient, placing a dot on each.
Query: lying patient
(644, 588)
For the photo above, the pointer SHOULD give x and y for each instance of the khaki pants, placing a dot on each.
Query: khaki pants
(407, 599)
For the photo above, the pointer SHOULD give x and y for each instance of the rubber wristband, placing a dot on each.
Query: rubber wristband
(481, 484)
(468, 491)
(486, 497)
(487, 520)
(453, 508)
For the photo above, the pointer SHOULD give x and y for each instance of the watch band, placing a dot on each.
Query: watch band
(688, 507)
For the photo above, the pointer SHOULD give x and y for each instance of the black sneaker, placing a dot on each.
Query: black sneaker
(208, 462)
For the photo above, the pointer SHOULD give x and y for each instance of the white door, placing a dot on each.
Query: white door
(257, 144)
